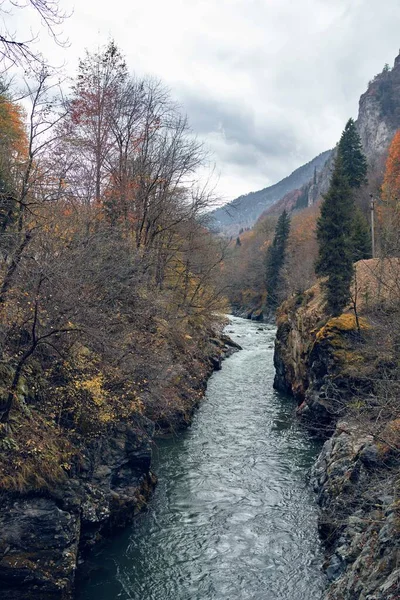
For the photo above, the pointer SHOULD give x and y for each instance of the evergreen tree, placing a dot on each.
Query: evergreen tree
(361, 237)
(355, 168)
(353, 159)
(335, 237)
(275, 260)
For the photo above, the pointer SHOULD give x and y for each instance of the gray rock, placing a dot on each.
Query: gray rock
(41, 537)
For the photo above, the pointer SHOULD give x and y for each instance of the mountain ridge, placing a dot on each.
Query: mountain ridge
(243, 212)
(377, 121)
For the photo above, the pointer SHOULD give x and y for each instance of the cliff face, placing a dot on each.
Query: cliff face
(327, 362)
(379, 111)
(374, 129)
(355, 480)
(316, 359)
(378, 120)
(340, 376)
(42, 535)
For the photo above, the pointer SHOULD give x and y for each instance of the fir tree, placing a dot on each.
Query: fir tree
(355, 168)
(275, 260)
(361, 236)
(353, 159)
(335, 237)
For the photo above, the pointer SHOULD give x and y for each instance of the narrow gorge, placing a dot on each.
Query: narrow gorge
(232, 515)
(199, 384)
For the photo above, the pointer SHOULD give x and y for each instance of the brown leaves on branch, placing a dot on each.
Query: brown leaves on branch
(104, 237)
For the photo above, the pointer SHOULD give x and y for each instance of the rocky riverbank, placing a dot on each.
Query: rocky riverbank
(49, 520)
(357, 485)
(44, 535)
(344, 374)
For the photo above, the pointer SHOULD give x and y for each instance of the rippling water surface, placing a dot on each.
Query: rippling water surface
(232, 517)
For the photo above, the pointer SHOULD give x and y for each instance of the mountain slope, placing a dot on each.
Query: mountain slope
(245, 210)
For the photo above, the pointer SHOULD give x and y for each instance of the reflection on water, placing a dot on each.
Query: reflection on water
(231, 518)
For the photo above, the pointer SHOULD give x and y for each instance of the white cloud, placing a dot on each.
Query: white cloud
(267, 83)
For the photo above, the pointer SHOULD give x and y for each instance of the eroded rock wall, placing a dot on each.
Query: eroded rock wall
(355, 479)
(328, 365)
(42, 536)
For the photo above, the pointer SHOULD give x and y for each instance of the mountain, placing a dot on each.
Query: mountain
(245, 210)
(377, 122)
(379, 111)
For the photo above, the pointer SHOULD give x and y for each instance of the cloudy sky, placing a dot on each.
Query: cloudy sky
(268, 84)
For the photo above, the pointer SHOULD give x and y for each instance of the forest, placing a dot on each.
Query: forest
(114, 293)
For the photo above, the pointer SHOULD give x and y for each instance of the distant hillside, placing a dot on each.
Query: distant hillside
(378, 119)
(245, 210)
(290, 201)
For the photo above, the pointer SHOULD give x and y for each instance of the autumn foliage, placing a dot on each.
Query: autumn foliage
(245, 265)
(109, 279)
(388, 211)
(391, 181)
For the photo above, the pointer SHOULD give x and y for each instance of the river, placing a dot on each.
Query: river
(232, 517)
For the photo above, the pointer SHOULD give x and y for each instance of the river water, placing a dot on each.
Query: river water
(232, 517)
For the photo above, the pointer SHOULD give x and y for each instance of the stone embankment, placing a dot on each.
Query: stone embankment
(335, 369)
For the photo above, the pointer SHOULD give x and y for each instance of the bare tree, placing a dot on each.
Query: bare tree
(33, 183)
(17, 51)
(92, 113)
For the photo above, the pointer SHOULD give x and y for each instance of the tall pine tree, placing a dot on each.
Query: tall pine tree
(354, 163)
(275, 260)
(355, 168)
(335, 238)
(342, 231)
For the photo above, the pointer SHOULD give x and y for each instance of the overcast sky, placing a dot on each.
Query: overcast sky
(268, 84)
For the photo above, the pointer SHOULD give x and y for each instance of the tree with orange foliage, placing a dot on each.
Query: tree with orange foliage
(13, 152)
(391, 181)
(389, 212)
(302, 251)
(30, 184)
(13, 139)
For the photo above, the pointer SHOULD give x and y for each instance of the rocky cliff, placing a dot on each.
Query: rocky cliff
(356, 481)
(378, 120)
(379, 111)
(344, 376)
(318, 360)
(43, 535)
